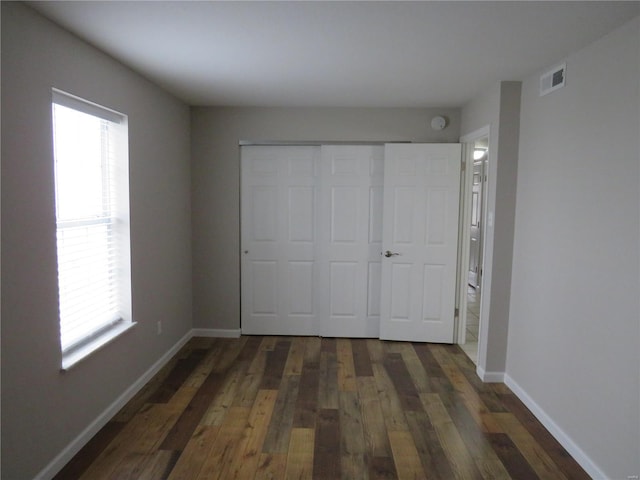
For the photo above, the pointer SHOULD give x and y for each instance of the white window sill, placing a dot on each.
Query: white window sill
(76, 356)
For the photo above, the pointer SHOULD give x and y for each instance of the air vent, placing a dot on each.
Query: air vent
(553, 79)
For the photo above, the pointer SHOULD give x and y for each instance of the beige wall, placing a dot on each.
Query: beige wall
(216, 180)
(574, 344)
(43, 410)
(499, 109)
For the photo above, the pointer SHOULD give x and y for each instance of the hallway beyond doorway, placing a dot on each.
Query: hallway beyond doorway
(473, 324)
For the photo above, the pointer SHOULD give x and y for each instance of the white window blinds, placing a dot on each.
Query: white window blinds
(91, 186)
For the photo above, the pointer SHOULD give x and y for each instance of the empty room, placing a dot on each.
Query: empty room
(320, 239)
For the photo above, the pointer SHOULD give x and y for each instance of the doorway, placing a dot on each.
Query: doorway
(477, 162)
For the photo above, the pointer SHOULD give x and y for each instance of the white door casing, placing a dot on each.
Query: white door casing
(350, 240)
(278, 236)
(420, 232)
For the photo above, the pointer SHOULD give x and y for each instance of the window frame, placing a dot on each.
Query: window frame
(115, 215)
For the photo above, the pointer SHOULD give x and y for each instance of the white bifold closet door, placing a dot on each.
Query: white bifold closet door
(350, 240)
(278, 239)
(315, 223)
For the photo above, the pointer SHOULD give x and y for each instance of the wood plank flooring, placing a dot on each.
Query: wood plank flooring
(305, 407)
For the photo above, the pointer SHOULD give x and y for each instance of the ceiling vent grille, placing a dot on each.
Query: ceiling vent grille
(553, 79)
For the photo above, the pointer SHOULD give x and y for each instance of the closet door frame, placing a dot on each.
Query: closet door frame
(318, 292)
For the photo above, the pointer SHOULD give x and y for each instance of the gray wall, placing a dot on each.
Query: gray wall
(498, 108)
(216, 180)
(43, 410)
(574, 341)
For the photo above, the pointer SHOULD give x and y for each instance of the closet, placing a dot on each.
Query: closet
(350, 240)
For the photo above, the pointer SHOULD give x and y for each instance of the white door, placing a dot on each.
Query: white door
(420, 235)
(350, 240)
(278, 237)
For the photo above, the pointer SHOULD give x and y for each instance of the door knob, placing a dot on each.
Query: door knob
(389, 253)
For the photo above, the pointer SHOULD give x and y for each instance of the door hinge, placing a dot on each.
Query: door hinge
(456, 313)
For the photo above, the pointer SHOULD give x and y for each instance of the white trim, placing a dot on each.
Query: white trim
(69, 360)
(487, 239)
(565, 440)
(216, 332)
(314, 143)
(490, 377)
(464, 229)
(85, 106)
(94, 427)
(476, 134)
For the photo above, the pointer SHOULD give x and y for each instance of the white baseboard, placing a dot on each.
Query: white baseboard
(88, 433)
(565, 440)
(215, 332)
(489, 377)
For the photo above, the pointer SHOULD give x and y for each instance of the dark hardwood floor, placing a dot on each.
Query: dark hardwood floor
(306, 407)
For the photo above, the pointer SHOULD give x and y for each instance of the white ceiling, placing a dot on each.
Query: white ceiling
(367, 54)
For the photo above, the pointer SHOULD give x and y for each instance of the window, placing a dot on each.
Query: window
(92, 219)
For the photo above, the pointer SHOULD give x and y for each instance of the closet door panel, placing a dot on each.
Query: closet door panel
(279, 276)
(264, 212)
(374, 277)
(343, 281)
(300, 284)
(376, 195)
(349, 240)
(345, 210)
(300, 206)
(264, 300)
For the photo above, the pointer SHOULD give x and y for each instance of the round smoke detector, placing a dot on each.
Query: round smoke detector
(438, 123)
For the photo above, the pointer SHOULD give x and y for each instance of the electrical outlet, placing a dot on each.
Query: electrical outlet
(159, 327)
